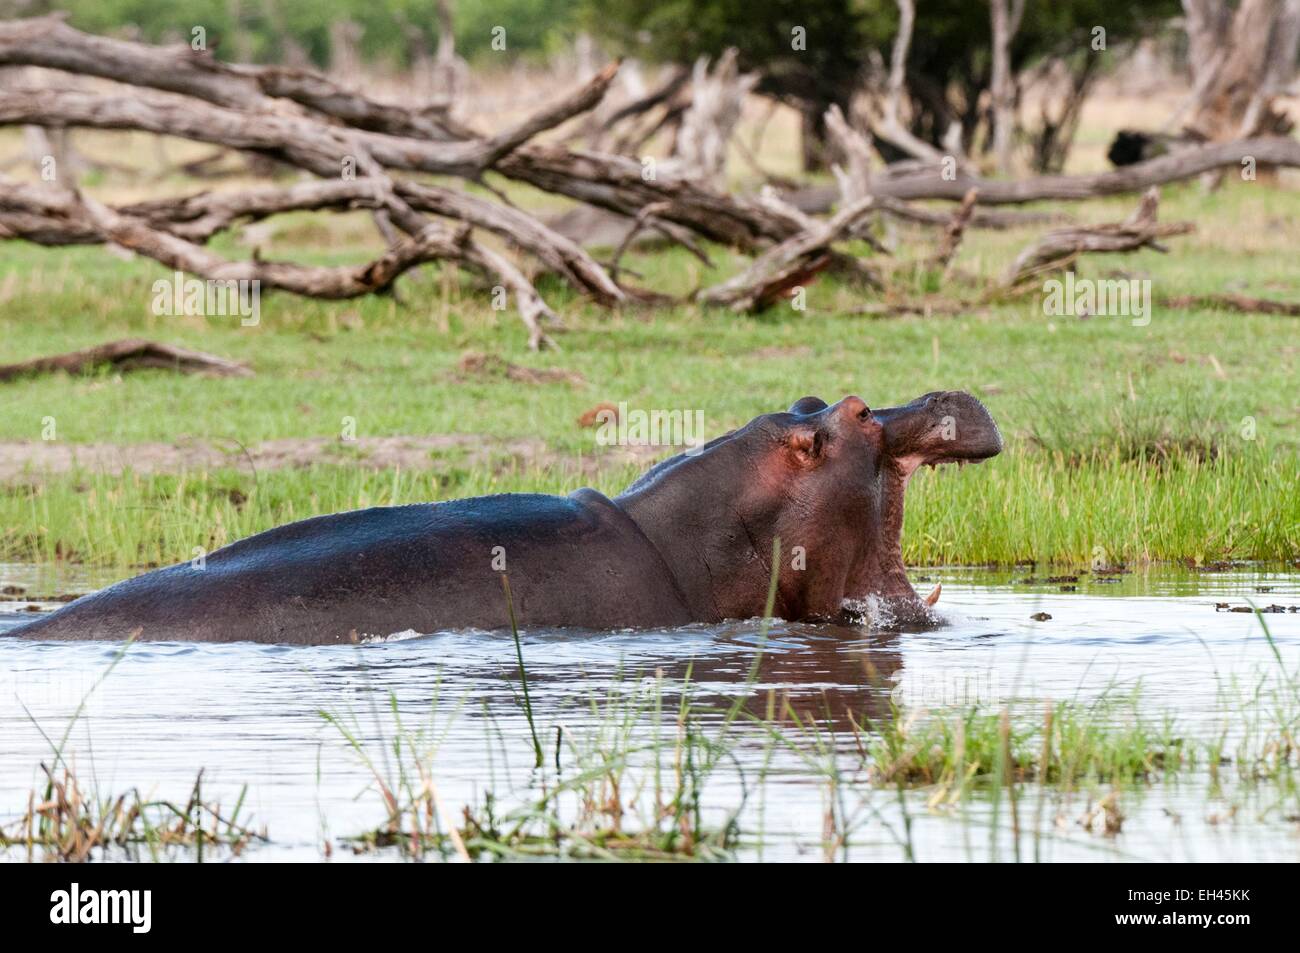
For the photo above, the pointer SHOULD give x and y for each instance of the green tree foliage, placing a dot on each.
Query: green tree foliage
(949, 64)
(260, 28)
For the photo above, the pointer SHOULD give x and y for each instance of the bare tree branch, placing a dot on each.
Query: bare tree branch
(1057, 249)
(952, 235)
(44, 209)
(198, 217)
(785, 266)
(396, 140)
(51, 43)
(890, 127)
(1185, 164)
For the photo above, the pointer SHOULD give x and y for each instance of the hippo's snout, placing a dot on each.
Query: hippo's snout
(941, 427)
(976, 435)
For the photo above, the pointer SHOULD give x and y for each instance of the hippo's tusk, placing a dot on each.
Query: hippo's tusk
(933, 597)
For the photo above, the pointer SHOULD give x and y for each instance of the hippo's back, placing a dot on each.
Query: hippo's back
(575, 560)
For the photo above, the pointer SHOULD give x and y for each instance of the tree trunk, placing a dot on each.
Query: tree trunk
(812, 136)
(1005, 23)
(1240, 62)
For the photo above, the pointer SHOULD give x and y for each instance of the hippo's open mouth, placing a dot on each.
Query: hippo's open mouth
(943, 427)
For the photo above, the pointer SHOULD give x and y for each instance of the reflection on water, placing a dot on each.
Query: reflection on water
(252, 714)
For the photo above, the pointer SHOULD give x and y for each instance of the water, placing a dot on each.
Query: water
(251, 715)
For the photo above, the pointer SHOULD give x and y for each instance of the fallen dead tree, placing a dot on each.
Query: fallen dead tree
(197, 218)
(930, 183)
(854, 180)
(316, 147)
(616, 183)
(1059, 248)
(390, 134)
(324, 149)
(40, 212)
(51, 43)
(354, 145)
(1054, 251)
(774, 273)
(127, 355)
(1244, 304)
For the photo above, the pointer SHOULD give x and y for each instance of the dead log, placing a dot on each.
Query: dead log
(198, 217)
(929, 183)
(297, 140)
(327, 151)
(791, 263)
(128, 355)
(51, 43)
(1244, 304)
(617, 183)
(993, 219)
(855, 181)
(1057, 249)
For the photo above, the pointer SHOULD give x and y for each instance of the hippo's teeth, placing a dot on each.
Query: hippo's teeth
(933, 597)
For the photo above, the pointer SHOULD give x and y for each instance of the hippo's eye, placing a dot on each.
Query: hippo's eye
(865, 414)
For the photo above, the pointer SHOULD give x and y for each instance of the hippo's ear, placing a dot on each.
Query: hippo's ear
(807, 405)
(804, 446)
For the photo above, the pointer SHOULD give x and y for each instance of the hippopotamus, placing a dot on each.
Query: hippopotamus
(691, 540)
